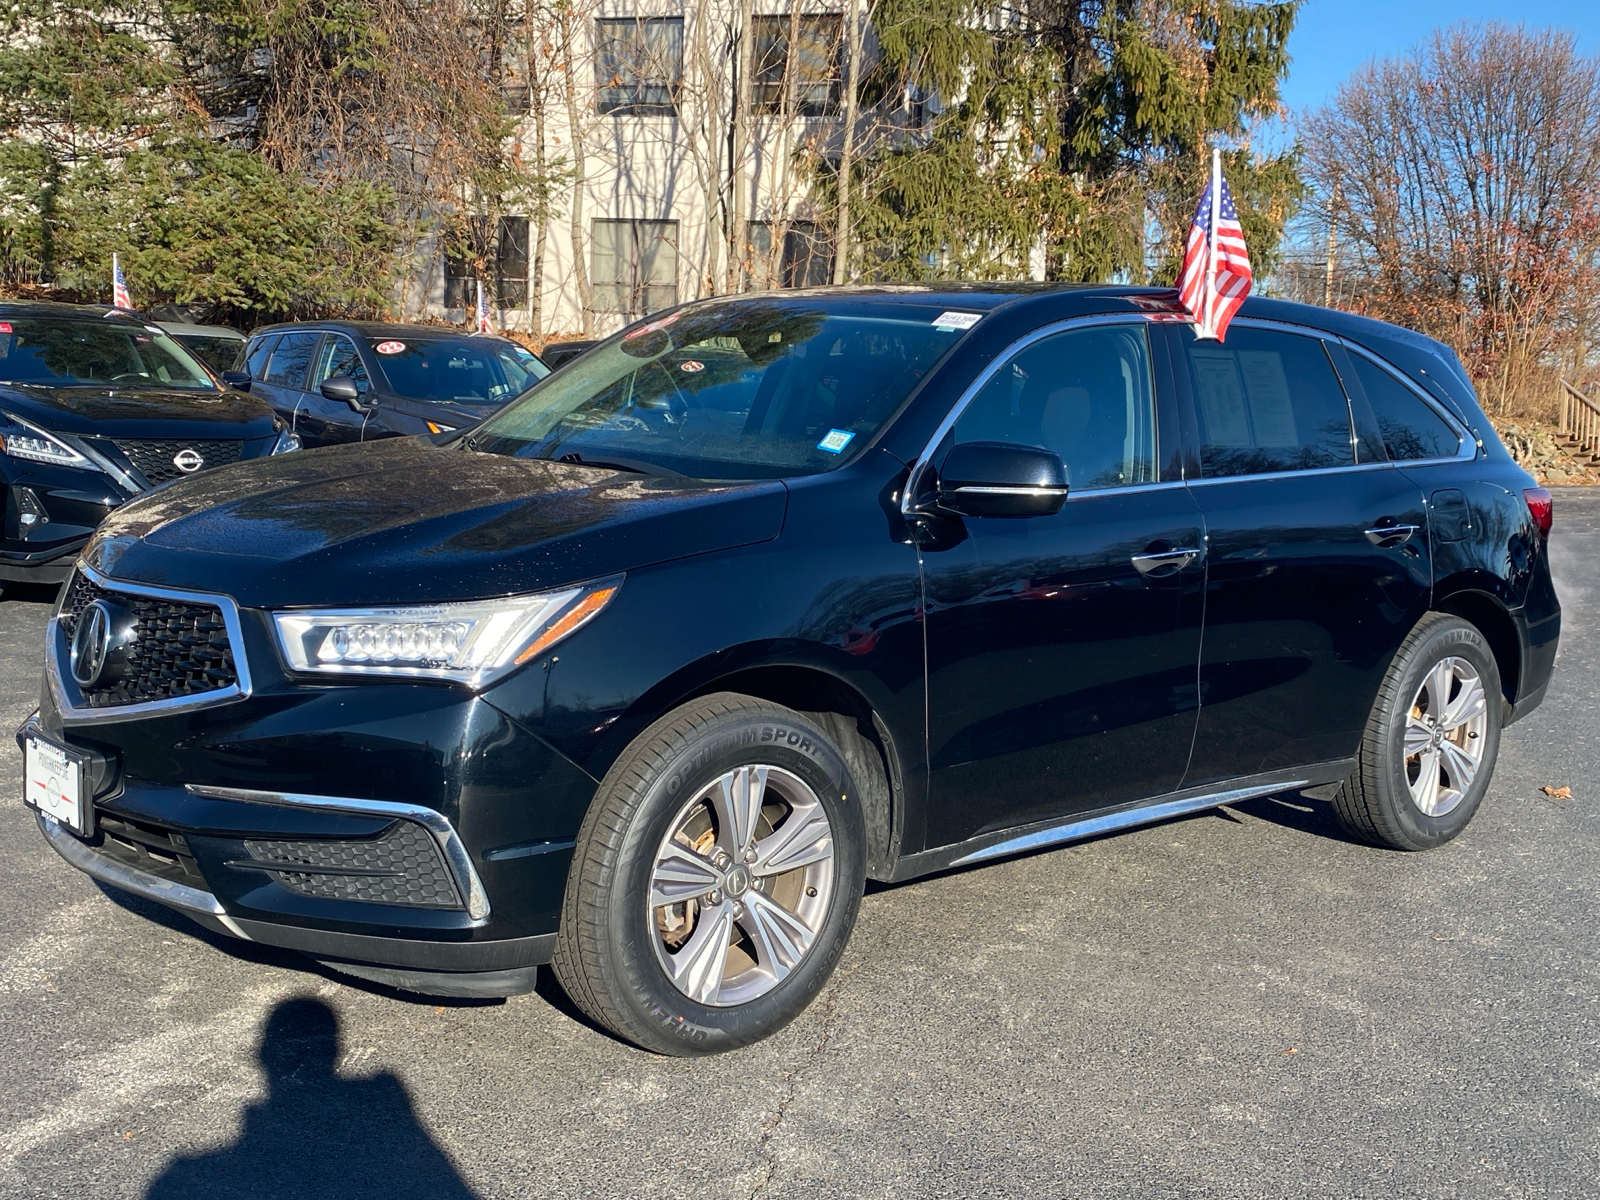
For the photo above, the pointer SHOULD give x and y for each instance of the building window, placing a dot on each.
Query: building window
(806, 260)
(639, 64)
(503, 248)
(803, 78)
(635, 266)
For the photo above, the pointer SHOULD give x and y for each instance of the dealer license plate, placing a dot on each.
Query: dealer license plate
(53, 783)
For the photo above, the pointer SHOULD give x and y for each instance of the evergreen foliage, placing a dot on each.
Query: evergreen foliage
(1078, 130)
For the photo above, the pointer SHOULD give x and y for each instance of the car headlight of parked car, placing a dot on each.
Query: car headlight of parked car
(287, 441)
(21, 440)
(473, 642)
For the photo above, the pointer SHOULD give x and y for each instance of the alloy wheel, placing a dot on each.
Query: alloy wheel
(1444, 736)
(741, 885)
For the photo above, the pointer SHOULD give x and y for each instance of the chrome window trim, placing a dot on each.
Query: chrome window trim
(1469, 441)
(64, 690)
(920, 464)
(435, 822)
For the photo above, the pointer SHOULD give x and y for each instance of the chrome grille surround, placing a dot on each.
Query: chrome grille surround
(76, 708)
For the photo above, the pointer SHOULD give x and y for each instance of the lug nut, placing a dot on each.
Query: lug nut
(720, 859)
(714, 896)
(750, 855)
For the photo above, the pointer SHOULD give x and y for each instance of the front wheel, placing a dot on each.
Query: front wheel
(716, 879)
(1430, 745)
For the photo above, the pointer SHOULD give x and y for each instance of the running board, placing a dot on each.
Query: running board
(1127, 818)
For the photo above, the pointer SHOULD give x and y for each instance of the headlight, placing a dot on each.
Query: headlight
(286, 443)
(474, 642)
(21, 440)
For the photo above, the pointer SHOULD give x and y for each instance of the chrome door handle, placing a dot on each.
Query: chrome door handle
(1391, 535)
(1178, 559)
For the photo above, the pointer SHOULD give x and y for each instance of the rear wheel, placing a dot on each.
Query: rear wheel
(1430, 745)
(716, 879)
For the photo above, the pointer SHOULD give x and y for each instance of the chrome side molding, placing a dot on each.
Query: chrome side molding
(436, 823)
(1127, 818)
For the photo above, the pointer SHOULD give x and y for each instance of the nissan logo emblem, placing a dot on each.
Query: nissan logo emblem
(90, 641)
(188, 460)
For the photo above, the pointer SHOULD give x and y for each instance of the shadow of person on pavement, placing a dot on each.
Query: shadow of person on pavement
(318, 1134)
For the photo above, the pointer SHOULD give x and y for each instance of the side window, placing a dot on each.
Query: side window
(255, 358)
(1086, 395)
(1267, 401)
(290, 358)
(1410, 429)
(339, 356)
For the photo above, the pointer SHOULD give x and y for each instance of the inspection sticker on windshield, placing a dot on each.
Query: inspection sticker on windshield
(956, 320)
(389, 347)
(836, 440)
(692, 366)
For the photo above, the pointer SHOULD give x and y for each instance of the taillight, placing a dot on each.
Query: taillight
(1541, 507)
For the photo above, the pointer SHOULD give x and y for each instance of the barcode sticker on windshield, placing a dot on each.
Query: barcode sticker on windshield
(957, 320)
(836, 440)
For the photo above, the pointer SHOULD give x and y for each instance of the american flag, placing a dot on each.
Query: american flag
(119, 285)
(1213, 288)
(483, 311)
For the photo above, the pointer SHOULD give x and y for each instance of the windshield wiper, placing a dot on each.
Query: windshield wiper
(637, 466)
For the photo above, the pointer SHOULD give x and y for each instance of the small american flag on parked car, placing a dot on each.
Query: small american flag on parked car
(119, 285)
(483, 311)
(1215, 277)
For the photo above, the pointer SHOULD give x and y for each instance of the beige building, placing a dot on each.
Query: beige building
(671, 195)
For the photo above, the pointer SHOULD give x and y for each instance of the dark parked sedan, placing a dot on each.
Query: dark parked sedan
(355, 381)
(98, 406)
(772, 595)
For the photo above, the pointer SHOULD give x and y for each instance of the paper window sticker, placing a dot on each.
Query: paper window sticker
(836, 440)
(956, 320)
(1266, 386)
(389, 347)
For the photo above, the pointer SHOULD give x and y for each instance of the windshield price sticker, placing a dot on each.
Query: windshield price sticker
(956, 320)
(836, 440)
(692, 366)
(651, 327)
(389, 347)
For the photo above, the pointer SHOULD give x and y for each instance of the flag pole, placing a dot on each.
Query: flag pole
(1211, 247)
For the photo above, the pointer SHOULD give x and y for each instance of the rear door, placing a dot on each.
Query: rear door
(1318, 561)
(1062, 649)
(283, 381)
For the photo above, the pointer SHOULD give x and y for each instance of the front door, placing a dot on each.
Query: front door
(1062, 650)
(1318, 563)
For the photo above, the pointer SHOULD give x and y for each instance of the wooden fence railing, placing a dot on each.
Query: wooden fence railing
(1580, 423)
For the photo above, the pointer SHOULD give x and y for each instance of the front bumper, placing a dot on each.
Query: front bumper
(229, 813)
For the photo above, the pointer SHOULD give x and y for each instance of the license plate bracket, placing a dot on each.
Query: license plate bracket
(56, 782)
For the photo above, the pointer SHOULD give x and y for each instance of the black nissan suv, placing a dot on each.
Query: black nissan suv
(355, 381)
(647, 673)
(97, 406)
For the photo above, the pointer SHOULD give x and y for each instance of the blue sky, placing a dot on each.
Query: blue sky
(1334, 37)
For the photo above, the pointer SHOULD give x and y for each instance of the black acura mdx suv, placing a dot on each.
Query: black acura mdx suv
(98, 405)
(646, 674)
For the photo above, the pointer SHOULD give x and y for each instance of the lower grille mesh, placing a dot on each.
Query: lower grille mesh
(404, 866)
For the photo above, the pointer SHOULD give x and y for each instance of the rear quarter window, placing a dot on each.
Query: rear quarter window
(1411, 430)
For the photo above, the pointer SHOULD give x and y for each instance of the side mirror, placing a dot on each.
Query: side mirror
(237, 379)
(342, 387)
(1002, 479)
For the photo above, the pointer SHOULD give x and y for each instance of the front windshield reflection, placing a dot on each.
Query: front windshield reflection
(50, 352)
(741, 389)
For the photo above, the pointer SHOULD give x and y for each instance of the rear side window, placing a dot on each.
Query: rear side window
(1266, 402)
(255, 359)
(1411, 430)
(291, 357)
(1086, 395)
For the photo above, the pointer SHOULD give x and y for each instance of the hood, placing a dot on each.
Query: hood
(139, 412)
(405, 521)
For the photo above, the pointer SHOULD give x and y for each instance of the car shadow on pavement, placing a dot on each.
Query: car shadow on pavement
(317, 1133)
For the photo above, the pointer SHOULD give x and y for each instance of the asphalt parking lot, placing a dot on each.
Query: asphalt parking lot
(1240, 1003)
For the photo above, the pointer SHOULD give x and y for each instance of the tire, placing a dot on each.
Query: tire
(1419, 778)
(666, 822)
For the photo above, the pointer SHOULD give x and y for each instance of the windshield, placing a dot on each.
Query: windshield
(73, 352)
(459, 370)
(741, 389)
(217, 352)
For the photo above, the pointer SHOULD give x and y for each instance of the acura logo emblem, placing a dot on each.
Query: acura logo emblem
(90, 641)
(188, 460)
